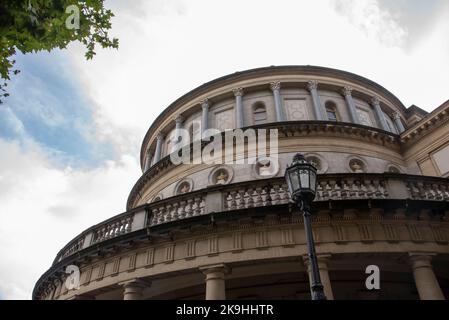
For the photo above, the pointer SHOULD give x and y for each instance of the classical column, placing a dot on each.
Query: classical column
(215, 281)
(133, 289)
(276, 88)
(323, 261)
(347, 93)
(379, 113)
(238, 93)
(398, 122)
(179, 120)
(204, 116)
(148, 161)
(317, 106)
(425, 279)
(158, 152)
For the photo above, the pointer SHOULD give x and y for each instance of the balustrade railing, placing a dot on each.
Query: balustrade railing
(431, 190)
(177, 208)
(112, 229)
(351, 188)
(254, 194)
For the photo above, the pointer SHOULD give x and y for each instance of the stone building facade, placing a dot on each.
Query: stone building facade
(216, 231)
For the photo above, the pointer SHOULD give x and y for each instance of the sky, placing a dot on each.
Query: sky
(70, 132)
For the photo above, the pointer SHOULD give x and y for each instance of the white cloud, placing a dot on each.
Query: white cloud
(42, 208)
(166, 49)
(372, 19)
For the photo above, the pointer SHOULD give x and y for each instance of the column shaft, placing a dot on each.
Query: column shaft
(158, 152)
(148, 161)
(323, 260)
(239, 122)
(276, 88)
(179, 124)
(425, 279)
(320, 113)
(133, 290)
(379, 114)
(215, 281)
(347, 93)
(398, 122)
(204, 116)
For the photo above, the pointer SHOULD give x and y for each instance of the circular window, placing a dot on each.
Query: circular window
(184, 186)
(221, 175)
(393, 169)
(318, 162)
(357, 166)
(157, 198)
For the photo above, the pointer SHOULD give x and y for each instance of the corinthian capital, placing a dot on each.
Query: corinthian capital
(346, 91)
(179, 119)
(238, 92)
(312, 85)
(204, 103)
(276, 85)
(375, 101)
(395, 115)
(160, 136)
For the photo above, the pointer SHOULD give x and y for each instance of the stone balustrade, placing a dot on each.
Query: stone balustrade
(352, 188)
(178, 208)
(259, 194)
(112, 229)
(428, 190)
(262, 193)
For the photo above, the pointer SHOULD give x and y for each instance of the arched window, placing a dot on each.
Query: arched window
(331, 110)
(260, 113)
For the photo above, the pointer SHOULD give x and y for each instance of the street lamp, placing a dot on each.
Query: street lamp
(301, 180)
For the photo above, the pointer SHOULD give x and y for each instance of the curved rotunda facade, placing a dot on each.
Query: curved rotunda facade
(229, 231)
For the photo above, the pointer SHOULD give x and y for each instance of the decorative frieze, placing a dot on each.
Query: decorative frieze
(101, 270)
(190, 249)
(116, 266)
(149, 258)
(237, 243)
(391, 232)
(340, 234)
(440, 234)
(366, 234)
(213, 245)
(169, 253)
(415, 232)
(287, 237)
(262, 239)
(132, 262)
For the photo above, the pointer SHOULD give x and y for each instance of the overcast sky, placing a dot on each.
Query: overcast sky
(71, 131)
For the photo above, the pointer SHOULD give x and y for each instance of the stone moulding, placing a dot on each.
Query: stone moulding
(286, 130)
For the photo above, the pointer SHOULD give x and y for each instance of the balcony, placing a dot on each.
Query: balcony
(256, 194)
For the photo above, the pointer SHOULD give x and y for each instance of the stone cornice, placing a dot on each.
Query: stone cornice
(286, 129)
(427, 125)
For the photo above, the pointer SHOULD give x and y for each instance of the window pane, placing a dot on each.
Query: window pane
(331, 115)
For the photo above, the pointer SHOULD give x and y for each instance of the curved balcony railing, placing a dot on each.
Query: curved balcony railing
(260, 193)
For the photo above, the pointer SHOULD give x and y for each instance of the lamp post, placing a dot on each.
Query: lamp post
(301, 180)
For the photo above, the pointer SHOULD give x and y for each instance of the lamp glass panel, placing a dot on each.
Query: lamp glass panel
(304, 178)
(294, 180)
(313, 181)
